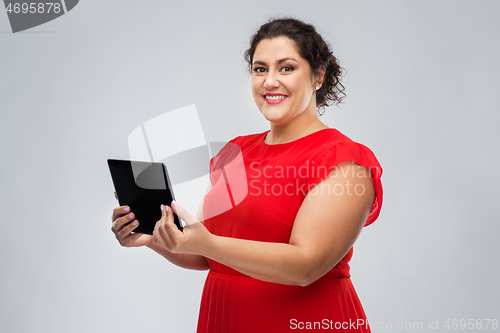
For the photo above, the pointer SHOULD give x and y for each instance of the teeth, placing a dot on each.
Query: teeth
(275, 97)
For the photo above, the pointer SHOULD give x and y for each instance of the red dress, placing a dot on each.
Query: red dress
(276, 178)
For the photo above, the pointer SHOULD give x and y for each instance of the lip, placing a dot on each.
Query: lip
(268, 101)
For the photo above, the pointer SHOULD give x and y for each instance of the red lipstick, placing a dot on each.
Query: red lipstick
(275, 100)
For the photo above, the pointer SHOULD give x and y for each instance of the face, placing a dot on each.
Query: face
(283, 85)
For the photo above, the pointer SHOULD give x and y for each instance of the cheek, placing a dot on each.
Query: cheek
(255, 89)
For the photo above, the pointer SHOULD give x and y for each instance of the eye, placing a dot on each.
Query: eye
(287, 69)
(259, 69)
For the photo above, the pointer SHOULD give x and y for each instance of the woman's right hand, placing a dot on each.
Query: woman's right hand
(124, 232)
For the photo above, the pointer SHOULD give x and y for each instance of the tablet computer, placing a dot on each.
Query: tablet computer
(144, 187)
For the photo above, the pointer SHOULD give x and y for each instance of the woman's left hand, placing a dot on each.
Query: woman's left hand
(191, 240)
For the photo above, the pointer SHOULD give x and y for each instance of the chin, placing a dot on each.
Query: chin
(278, 121)
(276, 118)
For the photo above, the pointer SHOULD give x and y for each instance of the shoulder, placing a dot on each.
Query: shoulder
(336, 152)
(344, 148)
(234, 147)
(244, 142)
(249, 138)
(330, 137)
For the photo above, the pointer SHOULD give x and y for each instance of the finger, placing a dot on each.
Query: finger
(119, 211)
(129, 240)
(157, 236)
(183, 214)
(168, 224)
(169, 231)
(125, 231)
(160, 235)
(169, 227)
(120, 222)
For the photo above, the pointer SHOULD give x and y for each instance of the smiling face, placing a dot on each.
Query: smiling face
(283, 85)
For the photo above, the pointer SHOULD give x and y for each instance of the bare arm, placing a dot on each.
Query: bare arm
(184, 260)
(326, 226)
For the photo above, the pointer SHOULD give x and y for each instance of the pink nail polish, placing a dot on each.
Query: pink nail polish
(134, 223)
(174, 204)
(166, 208)
(127, 209)
(161, 207)
(131, 216)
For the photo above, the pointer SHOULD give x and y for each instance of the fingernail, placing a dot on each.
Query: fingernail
(134, 223)
(161, 207)
(174, 204)
(166, 208)
(127, 209)
(131, 216)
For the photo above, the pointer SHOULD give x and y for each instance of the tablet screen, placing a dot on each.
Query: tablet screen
(143, 186)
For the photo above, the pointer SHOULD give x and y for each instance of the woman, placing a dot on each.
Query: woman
(278, 259)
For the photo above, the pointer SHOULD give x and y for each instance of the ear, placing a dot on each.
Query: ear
(319, 75)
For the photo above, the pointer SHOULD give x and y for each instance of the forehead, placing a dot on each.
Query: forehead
(276, 48)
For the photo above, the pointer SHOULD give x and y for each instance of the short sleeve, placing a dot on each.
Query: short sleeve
(361, 155)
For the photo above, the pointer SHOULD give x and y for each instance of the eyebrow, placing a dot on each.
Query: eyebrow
(279, 61)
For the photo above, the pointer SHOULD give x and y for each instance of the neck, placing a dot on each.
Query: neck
(306, 123)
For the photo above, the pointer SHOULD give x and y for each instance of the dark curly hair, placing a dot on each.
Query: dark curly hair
(311, 47)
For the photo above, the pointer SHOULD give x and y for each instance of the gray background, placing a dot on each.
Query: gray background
(422, 86)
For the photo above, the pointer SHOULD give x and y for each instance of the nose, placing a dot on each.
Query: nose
(271, 81)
